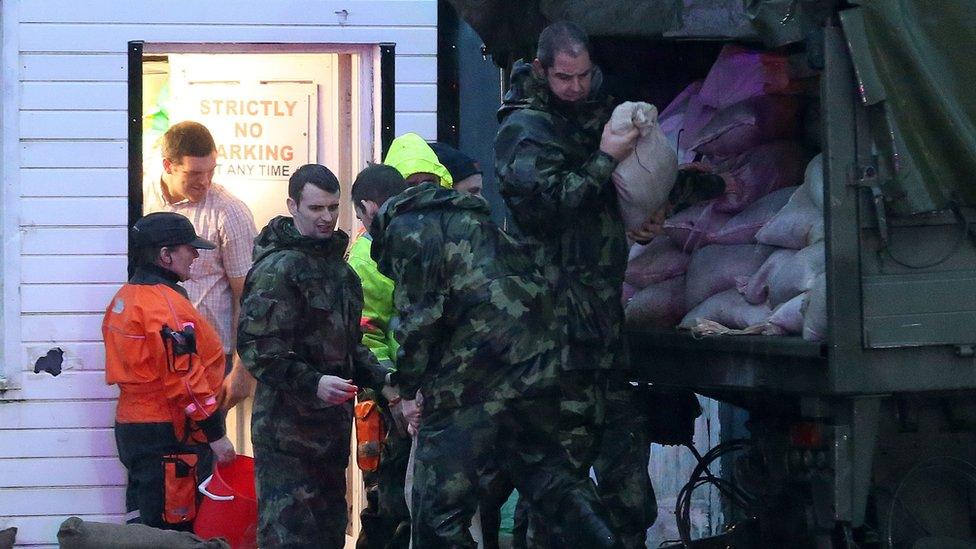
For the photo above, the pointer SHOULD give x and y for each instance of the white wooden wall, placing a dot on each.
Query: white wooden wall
(65, 209)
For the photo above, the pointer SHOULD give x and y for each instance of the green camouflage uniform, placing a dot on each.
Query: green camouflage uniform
(475, 333)
(299, 321)
(556, 182)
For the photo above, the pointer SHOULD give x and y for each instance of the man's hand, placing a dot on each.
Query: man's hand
(391, 393)
(335, 390)
(619, 146)
(238, 385)
(650, 228)
(223, 448)
(411, 411)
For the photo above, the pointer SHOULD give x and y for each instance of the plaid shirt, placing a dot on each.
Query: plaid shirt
(225, 220)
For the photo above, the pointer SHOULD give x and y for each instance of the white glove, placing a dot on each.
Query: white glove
(335, 390)
(223, 448)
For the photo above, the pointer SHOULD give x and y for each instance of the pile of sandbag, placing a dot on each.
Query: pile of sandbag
(752, 260)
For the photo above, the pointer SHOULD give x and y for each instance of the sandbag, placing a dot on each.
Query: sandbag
(787, 318)
(626, 293)
(8, 536)
(654, 262)
(815, 311)
(729, 309)
(645, 177)
(797, 274)
(813, 181)
(742, 228)
(760, 171)
(750, 123)
(671, 119)
(689, 228)
(659, 305)
(755, 288)
(81, 534)
(796, 226)
(714, 269)
(740, 73)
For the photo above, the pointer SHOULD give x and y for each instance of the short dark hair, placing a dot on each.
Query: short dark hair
(146, 255)
(377, 182)
(187, 138)
(315, 174)
(561, 36)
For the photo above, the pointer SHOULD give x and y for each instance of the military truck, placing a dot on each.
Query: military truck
(865, 439)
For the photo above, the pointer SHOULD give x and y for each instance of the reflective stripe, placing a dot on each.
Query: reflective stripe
(131, 515)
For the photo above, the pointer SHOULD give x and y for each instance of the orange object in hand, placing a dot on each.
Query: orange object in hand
(369, 435)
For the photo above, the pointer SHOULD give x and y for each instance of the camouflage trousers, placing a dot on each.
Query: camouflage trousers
(603, 426)
(456, 447)
(301, 500)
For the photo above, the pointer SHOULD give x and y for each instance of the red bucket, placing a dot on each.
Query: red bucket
(229, 508)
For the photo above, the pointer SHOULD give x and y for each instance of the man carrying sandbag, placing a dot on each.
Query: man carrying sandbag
(554, 155)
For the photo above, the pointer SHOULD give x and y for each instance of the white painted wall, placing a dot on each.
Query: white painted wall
(64, 156)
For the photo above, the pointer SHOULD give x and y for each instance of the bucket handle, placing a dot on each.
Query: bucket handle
(203, 490)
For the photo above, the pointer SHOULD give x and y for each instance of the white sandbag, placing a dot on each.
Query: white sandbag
(796, 275)
(795, 225)
(813, 180)
(787, 318)
(742, 228)
(659, 305)
(654, 262)
(714, 269)
(643, 179)
(815, 311)
(689, 228)
(729, 309)
(755, 288)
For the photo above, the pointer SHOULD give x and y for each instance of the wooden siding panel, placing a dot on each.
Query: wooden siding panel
(74, 211)
(74, 154)
(415, 69)
(74, 95)
(78, 38)
(44, 328)
(35, 531)
(74, 68)
(424, 124)
(36, 472)
(68, 385)
(73, 125)
(416, 97)
(66, 298)
(91, 182)
(78, 356)
(74, 269)
(80, 240)
(88, 413)
(61, 443)
(26, 502)
(254, 12)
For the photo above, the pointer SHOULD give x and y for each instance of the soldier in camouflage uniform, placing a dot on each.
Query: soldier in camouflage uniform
(475, 333)
(299, 335)
(554, 155)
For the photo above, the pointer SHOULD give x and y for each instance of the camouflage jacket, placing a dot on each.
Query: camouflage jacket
(556, 183)
(474, 317)
(299, 320)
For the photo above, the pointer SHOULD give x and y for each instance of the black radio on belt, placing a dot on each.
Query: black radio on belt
(178, 343)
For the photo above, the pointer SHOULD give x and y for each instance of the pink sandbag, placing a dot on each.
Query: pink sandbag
(755, 288)
(714, 269)
(626, 293)
(750, 123)
(797, 225)
(659, 305)
(760, 171)
(815, 311)
(689, 228)
(740, 73)
(654, 262)
(729, 309)
(672, 117)
(787, 318)
(797, 275)
(742, 228)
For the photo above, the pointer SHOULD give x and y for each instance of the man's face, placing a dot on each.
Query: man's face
(316, 212)
(471, 185)
(178, 259)
(569, 77)
(190, 179)
(421, 177)
(366, 211)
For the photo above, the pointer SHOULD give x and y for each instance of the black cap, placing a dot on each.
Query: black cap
(460, 165)
(167, 229)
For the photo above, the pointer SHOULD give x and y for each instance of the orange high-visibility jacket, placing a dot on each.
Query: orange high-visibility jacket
(136, 359)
